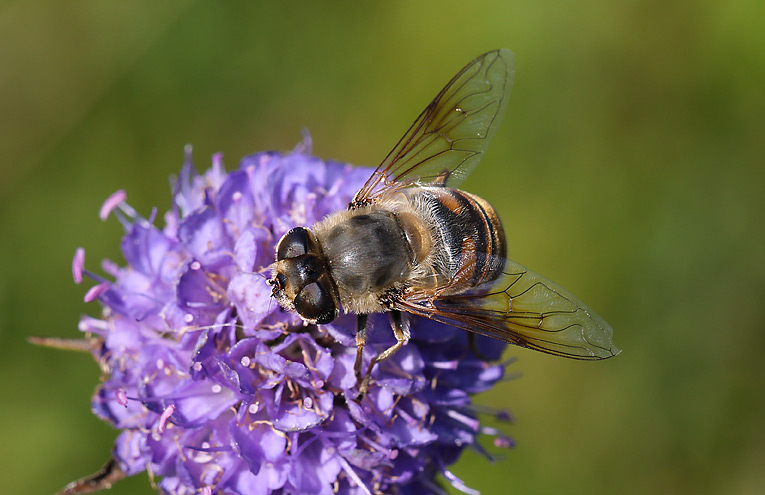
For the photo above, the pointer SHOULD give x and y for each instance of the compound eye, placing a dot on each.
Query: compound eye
(294, 243)
(316, 304)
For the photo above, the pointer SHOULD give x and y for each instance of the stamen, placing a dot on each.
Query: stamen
(111, 203)
(504, 415)
(306, 147)
(217, 163)
(110, 267)
(78, 263)
(169, 410)
(96, 291)
(504, 442)
(458, 483)
(466, 420)
(121, 395)
(499, 414)
(352, 474)
(434, 487)
(131, 213)
(92, 325)
(488, 430)
(445, 365)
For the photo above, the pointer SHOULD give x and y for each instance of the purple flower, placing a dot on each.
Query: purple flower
(216, 389)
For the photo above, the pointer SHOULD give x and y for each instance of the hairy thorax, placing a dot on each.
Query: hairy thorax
(373, 250)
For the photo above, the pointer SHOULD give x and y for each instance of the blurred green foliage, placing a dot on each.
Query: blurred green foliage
(629, 169)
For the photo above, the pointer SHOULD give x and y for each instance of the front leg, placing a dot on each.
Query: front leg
(402, 337)
(361, 341)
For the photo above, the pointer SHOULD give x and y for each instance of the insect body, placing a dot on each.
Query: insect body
(410, 241)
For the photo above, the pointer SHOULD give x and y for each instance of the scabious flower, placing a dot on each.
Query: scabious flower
(216, 389)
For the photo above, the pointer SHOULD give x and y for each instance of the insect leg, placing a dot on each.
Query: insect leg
(402, 336)
(473, 345)
(361, 341)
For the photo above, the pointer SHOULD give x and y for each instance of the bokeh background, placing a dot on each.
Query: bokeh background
(629, 169)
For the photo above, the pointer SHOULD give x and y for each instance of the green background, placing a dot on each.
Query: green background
(629, 169)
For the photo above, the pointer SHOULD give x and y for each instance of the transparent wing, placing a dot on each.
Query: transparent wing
(448, 139)
(522, 308)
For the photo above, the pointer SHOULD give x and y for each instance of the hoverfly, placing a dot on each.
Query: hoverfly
(411, 242)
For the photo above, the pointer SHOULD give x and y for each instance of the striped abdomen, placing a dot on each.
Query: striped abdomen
(472, 235)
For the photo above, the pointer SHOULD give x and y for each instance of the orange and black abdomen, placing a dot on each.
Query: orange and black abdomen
(471, 232)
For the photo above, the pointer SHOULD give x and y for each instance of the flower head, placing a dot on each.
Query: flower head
(216, 389)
